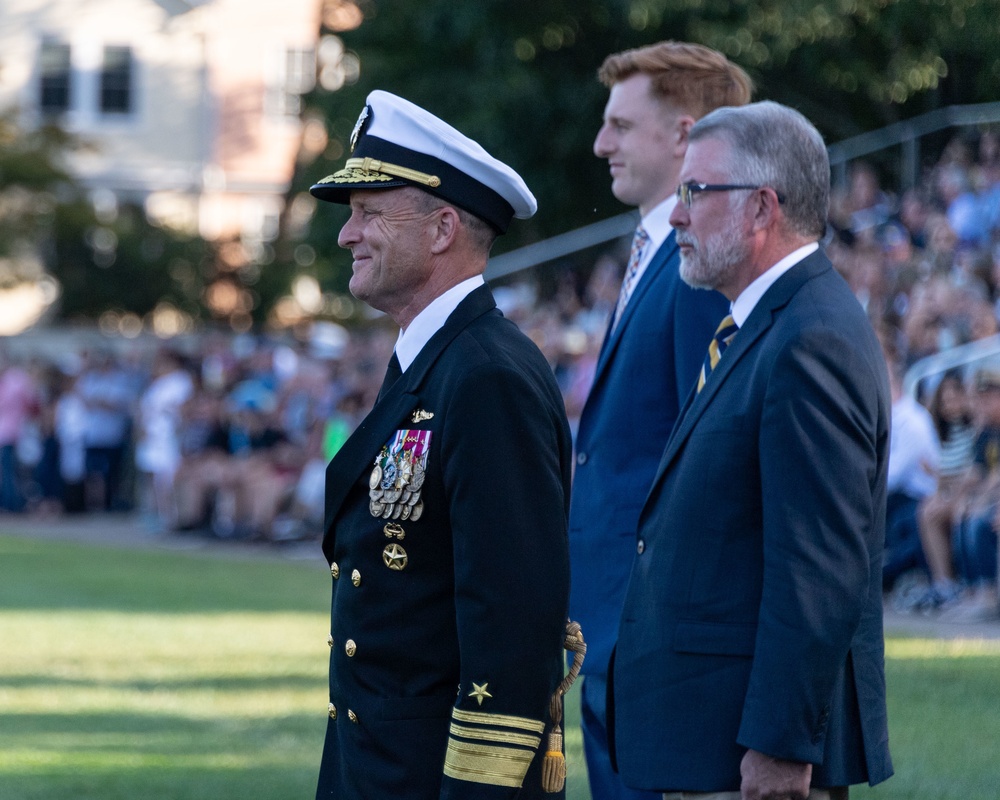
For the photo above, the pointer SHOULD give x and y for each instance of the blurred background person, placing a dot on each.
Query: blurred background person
(19, 407)
(158, 449)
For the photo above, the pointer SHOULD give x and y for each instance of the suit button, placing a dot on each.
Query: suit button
(352, 716)
(350, 648)
(581, 458)
(640, 547)
(329, 640)
(333, 711)
(356, 578)
(335, 570)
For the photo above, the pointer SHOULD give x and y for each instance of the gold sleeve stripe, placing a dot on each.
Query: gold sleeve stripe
(487, 735)
(484, 763)
(498, 720)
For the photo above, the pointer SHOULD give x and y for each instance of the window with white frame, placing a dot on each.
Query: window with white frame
(116, 80)
(55, 76)
(292, 73)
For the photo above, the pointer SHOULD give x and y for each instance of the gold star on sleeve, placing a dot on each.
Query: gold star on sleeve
(479, 692)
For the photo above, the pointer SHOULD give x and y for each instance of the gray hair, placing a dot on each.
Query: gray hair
(482, 233)
(774, 145)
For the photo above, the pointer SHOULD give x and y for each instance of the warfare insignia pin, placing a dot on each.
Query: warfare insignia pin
(398, 476)
(422, 416)
(359, 126)
(393, 530)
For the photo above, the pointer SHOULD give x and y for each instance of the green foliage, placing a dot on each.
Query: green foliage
(520, 78)
(125, 264)
(32, 183)
(118, 262)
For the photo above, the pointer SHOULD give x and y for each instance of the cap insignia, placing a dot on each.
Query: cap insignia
(353, 175)
(359, 126)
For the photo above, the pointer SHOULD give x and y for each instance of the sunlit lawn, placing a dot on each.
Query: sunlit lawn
(169, 676)
(135, 674)
(160, 675)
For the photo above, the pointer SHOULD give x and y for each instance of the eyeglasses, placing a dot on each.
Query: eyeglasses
(687, 191)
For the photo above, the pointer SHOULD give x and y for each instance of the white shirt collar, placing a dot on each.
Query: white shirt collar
(431, 319)
(749, 297)
(657, 225)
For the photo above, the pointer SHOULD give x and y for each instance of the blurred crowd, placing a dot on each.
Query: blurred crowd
(926, 265)
(228, 436)
(231, 436)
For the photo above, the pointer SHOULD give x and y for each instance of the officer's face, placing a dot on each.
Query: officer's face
(643, 139)
(388, 234)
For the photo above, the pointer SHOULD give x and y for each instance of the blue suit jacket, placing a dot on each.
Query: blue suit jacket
(645, 370)
(753, 617)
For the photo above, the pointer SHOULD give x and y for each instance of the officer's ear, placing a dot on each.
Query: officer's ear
(446, 226)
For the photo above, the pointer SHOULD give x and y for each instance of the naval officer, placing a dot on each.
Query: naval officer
(446, 511)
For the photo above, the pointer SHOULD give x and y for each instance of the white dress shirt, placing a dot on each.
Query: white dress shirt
(749, 297)
(429, 321)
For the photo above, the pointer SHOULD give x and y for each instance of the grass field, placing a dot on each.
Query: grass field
(131, 673)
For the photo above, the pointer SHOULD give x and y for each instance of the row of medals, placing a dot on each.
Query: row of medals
(395, 495)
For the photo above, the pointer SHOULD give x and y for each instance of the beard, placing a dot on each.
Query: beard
(714, 262)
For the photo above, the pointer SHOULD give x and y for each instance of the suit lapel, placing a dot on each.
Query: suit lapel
(661, 258)
(756, 325)
(359, 451)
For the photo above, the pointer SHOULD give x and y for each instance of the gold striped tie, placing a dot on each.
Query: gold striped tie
(724, 334)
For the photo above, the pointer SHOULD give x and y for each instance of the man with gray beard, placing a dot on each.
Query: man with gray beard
(749, 661)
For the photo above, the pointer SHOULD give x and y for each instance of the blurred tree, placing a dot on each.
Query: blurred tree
(112, 260)
(124, 264)
(520, 77)
(32, 182)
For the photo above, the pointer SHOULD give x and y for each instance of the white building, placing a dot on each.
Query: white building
(190, 106)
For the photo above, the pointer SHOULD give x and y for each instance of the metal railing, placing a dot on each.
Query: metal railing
(961, 356)
(906, 133)
(561, 245)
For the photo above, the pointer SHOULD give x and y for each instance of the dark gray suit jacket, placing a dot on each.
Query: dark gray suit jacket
(753, 617)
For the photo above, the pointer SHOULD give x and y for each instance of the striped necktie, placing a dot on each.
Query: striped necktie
(724, 334)
(639, 242)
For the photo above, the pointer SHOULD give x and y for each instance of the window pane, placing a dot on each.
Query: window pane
(116, 80)
(54, 68)
(294, 74)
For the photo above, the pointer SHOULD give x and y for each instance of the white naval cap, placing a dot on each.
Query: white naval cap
(396, 143)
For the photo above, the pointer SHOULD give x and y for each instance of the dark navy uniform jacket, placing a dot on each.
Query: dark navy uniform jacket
(446, 536)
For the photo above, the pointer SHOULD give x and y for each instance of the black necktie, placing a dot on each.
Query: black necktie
(392, 374)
